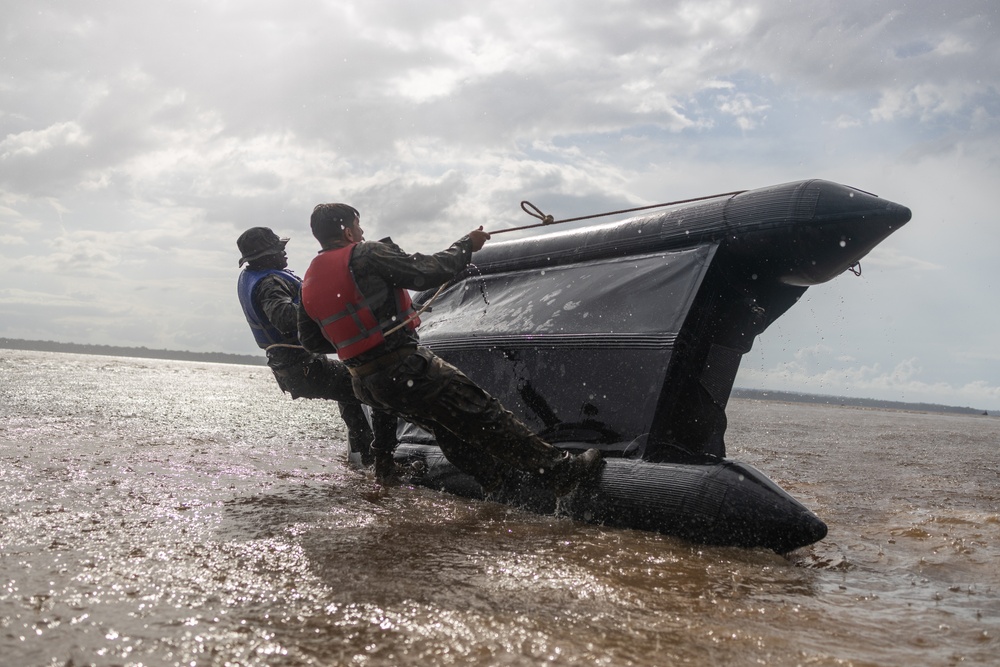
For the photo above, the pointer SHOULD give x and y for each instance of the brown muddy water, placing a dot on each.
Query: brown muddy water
(174, 513)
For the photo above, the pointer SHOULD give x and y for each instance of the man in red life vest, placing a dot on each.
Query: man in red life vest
(354, 291)
(269, 295)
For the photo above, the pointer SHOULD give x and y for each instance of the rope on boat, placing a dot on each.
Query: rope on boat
(427, 304)
(546, 220)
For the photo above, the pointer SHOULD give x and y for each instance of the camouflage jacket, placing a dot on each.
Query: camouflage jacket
(378, 267)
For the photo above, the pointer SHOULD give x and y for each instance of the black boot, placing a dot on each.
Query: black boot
(384, 429)
(385, 467)
(359, 433)
(571, 470)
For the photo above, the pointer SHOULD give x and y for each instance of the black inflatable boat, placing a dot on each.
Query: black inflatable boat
(628, 336)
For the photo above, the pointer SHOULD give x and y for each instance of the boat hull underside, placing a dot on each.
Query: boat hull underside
(725, 503)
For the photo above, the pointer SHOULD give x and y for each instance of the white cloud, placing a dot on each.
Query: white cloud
(925, 101)
(748, 113)
(952, 44)
(33, 142)
(706, 17)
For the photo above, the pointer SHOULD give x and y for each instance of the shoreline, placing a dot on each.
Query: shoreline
(261, 360)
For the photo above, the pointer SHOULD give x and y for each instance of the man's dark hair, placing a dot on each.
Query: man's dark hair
(329, 221)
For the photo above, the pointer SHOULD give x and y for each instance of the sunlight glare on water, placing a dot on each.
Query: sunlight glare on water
(175, 513)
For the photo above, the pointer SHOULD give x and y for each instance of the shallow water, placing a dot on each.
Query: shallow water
(176, 513)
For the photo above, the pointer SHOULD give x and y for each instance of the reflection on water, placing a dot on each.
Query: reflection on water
(163, 513)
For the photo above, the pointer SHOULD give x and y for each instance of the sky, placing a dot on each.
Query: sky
(138, 140)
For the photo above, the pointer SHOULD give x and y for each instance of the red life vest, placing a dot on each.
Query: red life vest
(331, 297)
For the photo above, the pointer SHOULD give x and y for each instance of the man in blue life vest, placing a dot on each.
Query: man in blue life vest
(269, 294)
(355, 293)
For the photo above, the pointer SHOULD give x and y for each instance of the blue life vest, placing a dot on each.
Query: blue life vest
(263, 331)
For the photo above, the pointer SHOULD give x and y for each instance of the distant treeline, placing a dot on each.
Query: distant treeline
(795, 397)
(258, 360)
(144, 352)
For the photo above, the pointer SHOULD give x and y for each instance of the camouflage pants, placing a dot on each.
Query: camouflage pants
(327, 379)
(475, 432)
